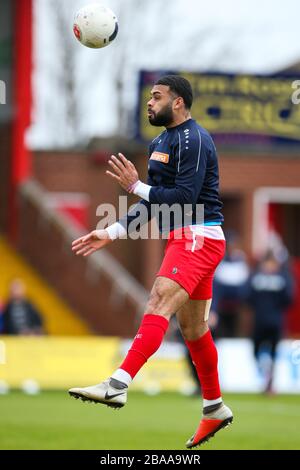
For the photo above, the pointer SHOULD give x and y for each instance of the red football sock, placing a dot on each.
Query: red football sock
(146, 342)
(205, 358)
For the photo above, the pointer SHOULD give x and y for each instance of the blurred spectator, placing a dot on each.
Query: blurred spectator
(20, 317)
(230, 287)
(270, 293)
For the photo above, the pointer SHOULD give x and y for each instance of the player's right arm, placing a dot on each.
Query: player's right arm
(91, 242)
(98, 239)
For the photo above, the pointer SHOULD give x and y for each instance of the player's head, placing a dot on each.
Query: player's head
(170, 95)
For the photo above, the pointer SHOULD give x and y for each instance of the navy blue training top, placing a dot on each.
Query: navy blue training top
(183, 169)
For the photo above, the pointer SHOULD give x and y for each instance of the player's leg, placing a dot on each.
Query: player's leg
(166, 297)
(193, 321)
(273, 338)
(185, 264)
(259, 342)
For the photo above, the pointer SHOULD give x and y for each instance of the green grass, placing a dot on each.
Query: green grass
(52, 420)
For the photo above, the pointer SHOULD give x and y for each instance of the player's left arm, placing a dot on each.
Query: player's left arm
(124, 172)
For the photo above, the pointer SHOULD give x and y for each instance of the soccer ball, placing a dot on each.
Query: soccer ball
(95, 26)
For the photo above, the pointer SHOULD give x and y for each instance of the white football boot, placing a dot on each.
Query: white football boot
(111, 392)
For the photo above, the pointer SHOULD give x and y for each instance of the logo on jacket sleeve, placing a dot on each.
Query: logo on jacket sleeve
(160, 157)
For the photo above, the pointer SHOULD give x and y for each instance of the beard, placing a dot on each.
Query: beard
(164, 117)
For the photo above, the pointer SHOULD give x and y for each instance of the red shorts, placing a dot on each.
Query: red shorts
(191, 261)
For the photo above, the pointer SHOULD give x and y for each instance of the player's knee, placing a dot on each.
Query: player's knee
(186, 330)
(157, 296)
(191, 332)
(159, 302)
(165, 298)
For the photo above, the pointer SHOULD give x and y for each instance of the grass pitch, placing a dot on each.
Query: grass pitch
(53, 420)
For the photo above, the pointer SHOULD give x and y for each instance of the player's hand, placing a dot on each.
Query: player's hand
(124, 171)
(91, 242)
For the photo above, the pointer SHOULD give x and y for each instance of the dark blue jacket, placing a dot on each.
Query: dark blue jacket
(183, 169)
(269, 296)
